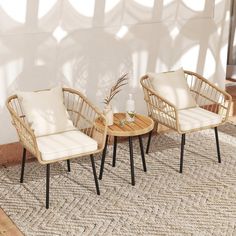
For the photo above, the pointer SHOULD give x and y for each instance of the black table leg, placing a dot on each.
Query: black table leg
(131, 160)
(103, 158)
(114, 152)
(142, 153)
(149, 141)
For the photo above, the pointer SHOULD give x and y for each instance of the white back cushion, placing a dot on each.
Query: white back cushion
(45, 111)
(173, 87)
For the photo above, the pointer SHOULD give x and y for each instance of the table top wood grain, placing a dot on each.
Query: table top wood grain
(142, 124)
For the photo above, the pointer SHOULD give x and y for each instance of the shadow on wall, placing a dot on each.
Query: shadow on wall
(89, 44)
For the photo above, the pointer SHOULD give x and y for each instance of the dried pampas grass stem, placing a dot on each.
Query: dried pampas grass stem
(116, 88)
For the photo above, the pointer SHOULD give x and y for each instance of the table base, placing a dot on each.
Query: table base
(131, 156)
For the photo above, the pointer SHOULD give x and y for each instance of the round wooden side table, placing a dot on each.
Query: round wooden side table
(141, 125)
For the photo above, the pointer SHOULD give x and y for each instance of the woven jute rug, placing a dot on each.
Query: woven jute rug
(201, 201)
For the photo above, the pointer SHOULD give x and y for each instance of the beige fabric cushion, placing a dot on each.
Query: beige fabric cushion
(173, 87)
(195, 118)
(45, 111)
(70, 143)
(189, 119)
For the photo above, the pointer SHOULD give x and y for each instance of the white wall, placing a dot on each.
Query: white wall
(89, 44)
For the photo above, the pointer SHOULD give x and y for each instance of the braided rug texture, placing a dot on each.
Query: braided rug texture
(201, 201)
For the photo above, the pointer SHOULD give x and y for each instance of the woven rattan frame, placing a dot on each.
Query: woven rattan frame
(206, 95)
(82, 113)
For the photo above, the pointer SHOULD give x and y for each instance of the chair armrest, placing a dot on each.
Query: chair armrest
(26, 135)
(161, 110)
(211, 97)
(84, 114)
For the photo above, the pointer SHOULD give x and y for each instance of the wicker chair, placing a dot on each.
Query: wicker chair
(83, 115)
(210, 100)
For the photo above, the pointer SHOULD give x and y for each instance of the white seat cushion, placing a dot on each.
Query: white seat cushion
(45, 111)
(173, 87)
(195, 118)
(70, 143)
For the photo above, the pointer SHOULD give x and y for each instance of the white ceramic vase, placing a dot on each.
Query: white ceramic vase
(108, 113)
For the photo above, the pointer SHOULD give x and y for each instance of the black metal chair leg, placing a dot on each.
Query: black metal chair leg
(217, 145)
(103, 159)
(182, 153)
(142, 154)
(114, 152)
(47, 185)
(23, 165)
(95, 174)
(131, 160)
(149, 141)
(68, 165)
